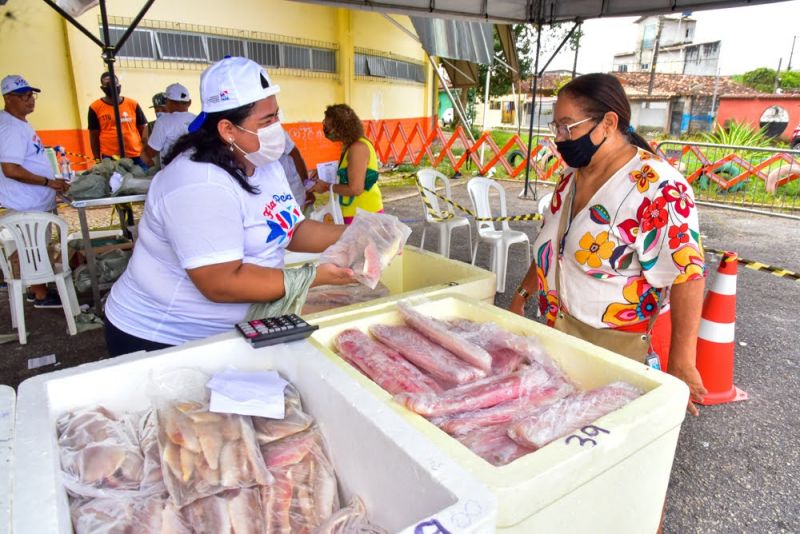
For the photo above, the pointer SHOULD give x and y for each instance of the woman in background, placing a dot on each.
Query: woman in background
(358, 165)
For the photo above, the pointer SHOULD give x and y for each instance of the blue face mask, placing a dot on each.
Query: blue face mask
(578, 153)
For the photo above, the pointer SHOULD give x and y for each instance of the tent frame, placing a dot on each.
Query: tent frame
(109, 51)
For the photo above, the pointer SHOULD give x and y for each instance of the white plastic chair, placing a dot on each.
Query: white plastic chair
(500, 239)
(330, 211)
(428, 179)
(29, 231)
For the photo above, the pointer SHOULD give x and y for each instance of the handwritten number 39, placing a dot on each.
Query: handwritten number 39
(589, 430)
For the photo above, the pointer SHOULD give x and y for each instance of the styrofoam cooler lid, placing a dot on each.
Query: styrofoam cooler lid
(7, 404)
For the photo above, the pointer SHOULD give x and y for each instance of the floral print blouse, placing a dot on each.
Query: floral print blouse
(636, 237)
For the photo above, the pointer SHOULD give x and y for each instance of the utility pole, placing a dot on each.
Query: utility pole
(714, 99)
(791, 53)
(655, 57)
(777, 77)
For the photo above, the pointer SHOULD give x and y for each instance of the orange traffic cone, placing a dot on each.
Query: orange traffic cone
(715, 345)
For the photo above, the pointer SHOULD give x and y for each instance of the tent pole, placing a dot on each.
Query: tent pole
(109, 57)
(132, 26)
(575, 61)
(456, 105)
(534, 87)
(485, 104)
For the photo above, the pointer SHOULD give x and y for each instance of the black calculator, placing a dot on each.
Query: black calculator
(274, 330)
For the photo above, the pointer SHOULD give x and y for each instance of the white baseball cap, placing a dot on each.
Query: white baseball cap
(14, 83)
(177, 93)
(232, 83)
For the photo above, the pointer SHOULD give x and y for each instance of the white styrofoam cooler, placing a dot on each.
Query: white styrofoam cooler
(402, 479)
(7, 402)
(617, 485)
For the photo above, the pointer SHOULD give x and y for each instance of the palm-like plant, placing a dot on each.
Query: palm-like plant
(739, 134)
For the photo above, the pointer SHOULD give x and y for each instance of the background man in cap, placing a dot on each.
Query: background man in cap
(159, 107)
(173, 124)
(26, 177)
(103, 128)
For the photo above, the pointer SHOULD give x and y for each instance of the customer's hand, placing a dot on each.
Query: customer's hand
(517, 305)
(691, 376)
(320, 187)
(330, 274)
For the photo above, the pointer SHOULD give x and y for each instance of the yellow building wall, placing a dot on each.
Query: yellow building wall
(67, 64)
(33, 45)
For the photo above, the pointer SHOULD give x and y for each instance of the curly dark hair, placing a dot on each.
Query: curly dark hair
(347, 127)
(208, 147)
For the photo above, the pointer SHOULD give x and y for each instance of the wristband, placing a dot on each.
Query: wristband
(47, 182)
(522, 292)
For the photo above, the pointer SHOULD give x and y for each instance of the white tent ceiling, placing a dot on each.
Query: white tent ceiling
(546, 11)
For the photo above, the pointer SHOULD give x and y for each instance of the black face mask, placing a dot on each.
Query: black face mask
(578, 153)
(328, 134)
(107, 90)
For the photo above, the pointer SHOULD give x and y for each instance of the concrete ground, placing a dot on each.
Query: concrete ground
(736, 467)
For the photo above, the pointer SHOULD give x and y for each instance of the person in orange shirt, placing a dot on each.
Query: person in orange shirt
(103, 128)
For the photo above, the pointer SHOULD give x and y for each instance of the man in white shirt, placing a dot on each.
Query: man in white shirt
(296, 172)
(172, 125)
(26, 177)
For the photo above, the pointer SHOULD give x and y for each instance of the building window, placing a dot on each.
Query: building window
(384, 67)
(622, 68)
(645, 66)
(219, 47)
(139, 45)
(180, 46)
(494, 104)
(267, 54)
(157, 44)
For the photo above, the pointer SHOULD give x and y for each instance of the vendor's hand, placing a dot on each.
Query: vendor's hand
(61, 186)
(313, 175)
(518, 305)
(691, 376)
(330, 274)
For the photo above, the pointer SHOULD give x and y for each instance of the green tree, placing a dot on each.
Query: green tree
(763, 79)
(525, 36)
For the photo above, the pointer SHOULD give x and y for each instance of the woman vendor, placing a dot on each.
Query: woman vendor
(217, 222)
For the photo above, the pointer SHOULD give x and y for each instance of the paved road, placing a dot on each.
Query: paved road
(737, 467)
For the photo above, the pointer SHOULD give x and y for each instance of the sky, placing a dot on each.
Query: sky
(752, 37)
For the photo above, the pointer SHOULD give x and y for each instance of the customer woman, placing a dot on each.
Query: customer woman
(358, 165)
(619, 253)
(217, 221)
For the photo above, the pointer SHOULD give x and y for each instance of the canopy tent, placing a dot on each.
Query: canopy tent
(537, 12)
(530, 11)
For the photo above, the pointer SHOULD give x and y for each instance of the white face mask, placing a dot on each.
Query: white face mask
(271, 142)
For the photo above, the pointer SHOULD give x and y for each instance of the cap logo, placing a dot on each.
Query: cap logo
(223, 95)
(264, 82)
(20, 82)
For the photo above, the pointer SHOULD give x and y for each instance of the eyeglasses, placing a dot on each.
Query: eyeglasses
(26, 96)
(564, 130)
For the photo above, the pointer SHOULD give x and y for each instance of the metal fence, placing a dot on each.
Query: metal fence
(744, 177)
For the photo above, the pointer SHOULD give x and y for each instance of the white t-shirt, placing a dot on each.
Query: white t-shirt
(197, 215)
(19, 144)
(167, 129)
(292, 176)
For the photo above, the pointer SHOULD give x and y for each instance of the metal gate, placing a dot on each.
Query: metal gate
(757, 179)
